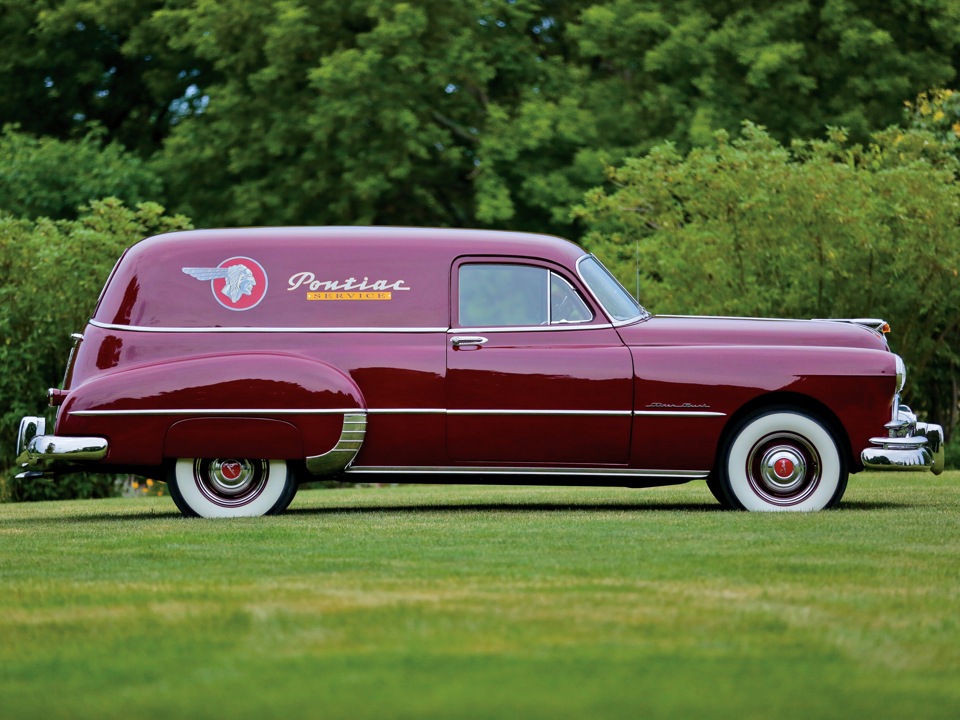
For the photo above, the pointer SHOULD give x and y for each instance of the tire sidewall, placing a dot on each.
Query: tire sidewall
(737, 486)
(276, 494)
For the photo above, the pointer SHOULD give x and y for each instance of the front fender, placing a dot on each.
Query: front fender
(267, 405)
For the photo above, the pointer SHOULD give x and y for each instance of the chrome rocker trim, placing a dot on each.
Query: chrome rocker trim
(497, 470)
(36, 450)
(342, 455)
(909, 445)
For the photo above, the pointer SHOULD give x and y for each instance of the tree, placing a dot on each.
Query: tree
(817, 229)
(481, 112)
(45, 177)
(68, 64)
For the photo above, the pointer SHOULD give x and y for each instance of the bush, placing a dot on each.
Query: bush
(53, 272)
(952, 454)
(45, 177)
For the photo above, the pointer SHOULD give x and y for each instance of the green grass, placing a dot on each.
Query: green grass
(479, 602)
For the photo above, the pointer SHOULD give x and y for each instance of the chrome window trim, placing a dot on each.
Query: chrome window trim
(530, 328)
(170, 329)
(476, 470)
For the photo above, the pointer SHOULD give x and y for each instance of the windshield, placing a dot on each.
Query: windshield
(616, 301)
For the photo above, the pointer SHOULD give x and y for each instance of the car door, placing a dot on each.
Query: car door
(536, 375)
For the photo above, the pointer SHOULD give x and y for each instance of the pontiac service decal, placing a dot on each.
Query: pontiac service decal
(349, 289)
(238, 283)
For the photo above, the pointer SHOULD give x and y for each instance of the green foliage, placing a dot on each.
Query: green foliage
(51, 178)
(448, 113)
(76, 486)
(818, 229)
(65, 64)
(53, 272)
(938, 112)
(952, 454)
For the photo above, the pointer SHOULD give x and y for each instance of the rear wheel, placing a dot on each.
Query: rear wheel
(231, 487)
(782, 460)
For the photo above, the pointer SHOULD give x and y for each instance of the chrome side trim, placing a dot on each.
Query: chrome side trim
(680, 413)
(343, 453)
(576, 472)
(166, 329)
(213, 411)
(387, 411)
(406, 411)
(493, 411)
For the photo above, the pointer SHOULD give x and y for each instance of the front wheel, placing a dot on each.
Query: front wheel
(231, 487)
(782, 460)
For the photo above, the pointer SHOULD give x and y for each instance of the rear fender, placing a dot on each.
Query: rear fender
(265, 405)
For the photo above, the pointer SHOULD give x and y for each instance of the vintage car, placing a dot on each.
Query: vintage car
(239, 363)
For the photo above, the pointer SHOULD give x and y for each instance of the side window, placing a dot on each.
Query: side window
(502, 294)
(493, 295)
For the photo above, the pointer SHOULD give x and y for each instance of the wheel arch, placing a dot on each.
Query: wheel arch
(786, 401)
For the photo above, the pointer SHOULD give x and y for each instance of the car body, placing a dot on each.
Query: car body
(239, 363)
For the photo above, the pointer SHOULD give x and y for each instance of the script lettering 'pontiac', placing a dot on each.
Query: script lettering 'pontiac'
(309, 280)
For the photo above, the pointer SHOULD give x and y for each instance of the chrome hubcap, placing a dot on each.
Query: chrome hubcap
(783, 469)
(231, 477)
(230, 482)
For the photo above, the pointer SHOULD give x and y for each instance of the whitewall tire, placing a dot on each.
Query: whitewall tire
(782, 460)
(231, 487)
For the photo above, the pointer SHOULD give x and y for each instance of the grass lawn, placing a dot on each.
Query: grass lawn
(480, 602)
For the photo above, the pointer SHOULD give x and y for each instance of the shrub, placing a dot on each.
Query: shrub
(53, 272)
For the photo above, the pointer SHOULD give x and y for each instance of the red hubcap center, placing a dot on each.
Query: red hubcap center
(231, 470)
(783, 468)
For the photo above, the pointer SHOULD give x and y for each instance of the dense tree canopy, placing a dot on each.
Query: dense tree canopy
(489, 112)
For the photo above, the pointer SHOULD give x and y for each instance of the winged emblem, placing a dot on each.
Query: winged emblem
(239, 279)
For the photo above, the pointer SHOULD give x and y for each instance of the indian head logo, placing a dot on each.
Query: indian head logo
(238, 283)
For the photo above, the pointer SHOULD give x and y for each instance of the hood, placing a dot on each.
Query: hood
(671, 330)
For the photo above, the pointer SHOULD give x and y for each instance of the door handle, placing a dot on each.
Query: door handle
(458, 340)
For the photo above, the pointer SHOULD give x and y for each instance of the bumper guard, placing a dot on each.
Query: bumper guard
(909, 445)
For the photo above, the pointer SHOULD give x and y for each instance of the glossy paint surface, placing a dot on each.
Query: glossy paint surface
(257, 342)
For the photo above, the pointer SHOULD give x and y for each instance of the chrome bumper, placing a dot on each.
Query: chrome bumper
(37, 452)
(909, 445)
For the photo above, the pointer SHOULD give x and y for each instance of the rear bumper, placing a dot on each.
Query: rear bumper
(38, 453)
(909, 445)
